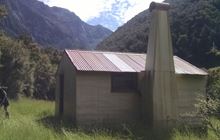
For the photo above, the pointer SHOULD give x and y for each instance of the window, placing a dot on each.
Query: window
(124, 82)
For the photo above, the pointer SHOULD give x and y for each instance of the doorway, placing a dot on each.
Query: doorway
(61, 77)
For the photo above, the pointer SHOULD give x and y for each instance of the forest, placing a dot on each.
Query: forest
(27, 69)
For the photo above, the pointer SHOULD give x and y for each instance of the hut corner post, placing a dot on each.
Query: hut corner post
(160, 71)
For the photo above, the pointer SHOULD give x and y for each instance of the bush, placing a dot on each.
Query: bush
(213, 86)
(208, 108)
(26, 69)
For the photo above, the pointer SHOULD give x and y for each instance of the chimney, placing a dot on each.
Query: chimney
(160, 71)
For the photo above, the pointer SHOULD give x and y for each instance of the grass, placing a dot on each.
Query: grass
(33, 120)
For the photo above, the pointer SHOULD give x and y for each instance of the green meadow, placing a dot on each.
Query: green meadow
(33, 120)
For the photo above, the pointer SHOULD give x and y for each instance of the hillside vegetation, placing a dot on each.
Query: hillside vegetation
(195, 27)
(33, 120)
(26, 69)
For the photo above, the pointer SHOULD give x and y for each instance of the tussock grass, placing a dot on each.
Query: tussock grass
(33, 120)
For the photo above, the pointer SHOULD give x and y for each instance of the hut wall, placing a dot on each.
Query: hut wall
(97, 104)
(190, 88)
(69, 93)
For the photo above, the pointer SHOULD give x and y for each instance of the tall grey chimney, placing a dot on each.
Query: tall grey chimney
(160, 70)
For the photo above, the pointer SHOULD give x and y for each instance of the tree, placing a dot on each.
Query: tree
(15, 65)
(44, 79)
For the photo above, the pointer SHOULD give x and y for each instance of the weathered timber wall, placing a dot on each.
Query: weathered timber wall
(97, 104)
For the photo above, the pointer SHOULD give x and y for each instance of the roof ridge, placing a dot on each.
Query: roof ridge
(97, 51)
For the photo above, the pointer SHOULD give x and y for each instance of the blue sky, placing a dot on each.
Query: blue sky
(109, 13)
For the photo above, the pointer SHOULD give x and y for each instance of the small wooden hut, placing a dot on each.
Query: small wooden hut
(112, 87)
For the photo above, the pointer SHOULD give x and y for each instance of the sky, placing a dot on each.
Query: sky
(93, 11)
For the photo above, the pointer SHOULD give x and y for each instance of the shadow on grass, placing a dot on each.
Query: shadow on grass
(56, 124)
(133, 132)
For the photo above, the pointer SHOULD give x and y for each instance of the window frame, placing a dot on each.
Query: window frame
(127, 87)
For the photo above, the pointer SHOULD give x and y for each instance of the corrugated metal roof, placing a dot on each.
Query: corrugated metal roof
(122, 62)
(119, 63)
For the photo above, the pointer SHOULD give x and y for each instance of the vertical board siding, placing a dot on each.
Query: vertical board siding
(96, 103)
(190, 88)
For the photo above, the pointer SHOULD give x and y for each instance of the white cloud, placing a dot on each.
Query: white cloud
(88, 9)
(85, 9)
(136, 6)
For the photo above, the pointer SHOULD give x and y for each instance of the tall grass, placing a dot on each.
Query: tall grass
(33, 120)
(28, 121)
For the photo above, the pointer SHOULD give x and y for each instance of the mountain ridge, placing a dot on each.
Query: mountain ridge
(50, 26)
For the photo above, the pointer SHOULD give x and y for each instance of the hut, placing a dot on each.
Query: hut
(113, 87)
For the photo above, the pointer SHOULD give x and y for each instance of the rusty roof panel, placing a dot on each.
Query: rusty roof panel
(106, 63)
(122, 62)
(78, 61)
(93, 61)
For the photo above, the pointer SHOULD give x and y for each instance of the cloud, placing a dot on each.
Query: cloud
(130, 8)
(85, 9)
(122, 10)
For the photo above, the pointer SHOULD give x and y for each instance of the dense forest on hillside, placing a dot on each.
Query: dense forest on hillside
(26, 69)
(195, 27)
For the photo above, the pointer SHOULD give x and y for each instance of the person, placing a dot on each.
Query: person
(4, 101)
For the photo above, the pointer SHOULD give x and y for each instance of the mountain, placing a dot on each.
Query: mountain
(50, 26)
(113, 15)
(107, 19)
(195, 27)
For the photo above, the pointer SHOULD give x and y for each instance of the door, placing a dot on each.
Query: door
(61, 94)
